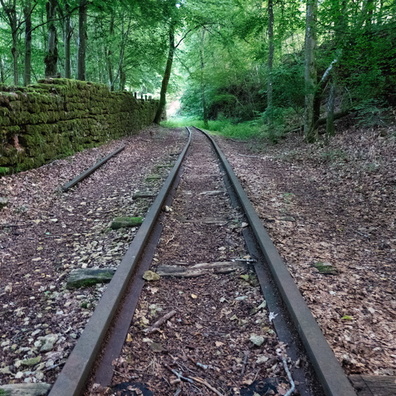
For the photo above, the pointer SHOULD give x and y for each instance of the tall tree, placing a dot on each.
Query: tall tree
(82, 39)
(270, 63)
(10, 10)
(203, 82)
(27, 12)
(51, 59)
(66, 17)
(310, 73)
(167, 73)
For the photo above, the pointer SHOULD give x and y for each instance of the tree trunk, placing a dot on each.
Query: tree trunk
(122, 78)
(366, 17)
(51, 59)
(82, 40)
(270, 63)
(11, 14)
(310, 73)
(109, 54)
(167, 73)
(121, 74)
(2, 75)
(27, 11)
(330, 110)
(67, 38)
(203, 86)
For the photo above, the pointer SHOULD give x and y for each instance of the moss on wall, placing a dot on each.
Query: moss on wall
(58, 117)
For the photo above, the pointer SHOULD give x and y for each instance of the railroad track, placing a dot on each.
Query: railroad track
(208, 302)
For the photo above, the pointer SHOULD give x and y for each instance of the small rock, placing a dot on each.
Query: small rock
(262, 359)
(89, 276)
(5, 370)
(257, 340)
(156, 347)
(3, 202)
(39, 389)
(151, 276)
(48, 342)
(326, 268)
(31, 361)
(49, 363)
(121, 222)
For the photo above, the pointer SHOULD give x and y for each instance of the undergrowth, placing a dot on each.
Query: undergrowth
(241, 131)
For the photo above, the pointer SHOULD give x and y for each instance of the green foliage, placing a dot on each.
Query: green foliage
(4, 171)
(372, 113)
(241, 131)
(333, 156)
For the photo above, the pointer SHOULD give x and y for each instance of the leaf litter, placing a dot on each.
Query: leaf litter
(332, 207)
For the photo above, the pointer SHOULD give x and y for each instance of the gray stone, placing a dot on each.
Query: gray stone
(3, 202)
(38, 389)
(31, 361)
(257, 340)
(122, 222)
(151, 276)
(89, 276)
(48, 342)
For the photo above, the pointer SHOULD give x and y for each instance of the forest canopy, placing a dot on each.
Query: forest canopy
(282, 62)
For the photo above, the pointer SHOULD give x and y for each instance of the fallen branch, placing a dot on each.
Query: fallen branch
(179, 376)
(321, 121)
(203, 382)
(244, 363)
(13, 225)
(159, 322)
(191, 380)
(199, 269)
(289, 377)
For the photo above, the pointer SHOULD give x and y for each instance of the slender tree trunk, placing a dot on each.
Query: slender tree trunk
(270, 63)
(310, 73)
(330, 110)
(2, 75)
(109, 54)
(82, 41)
(10, 11)
(203, 85)
(51, 59)
(366, 17)
(121, 74)
(167, 73)
(27, 11)
(67, 38)
(122, 78)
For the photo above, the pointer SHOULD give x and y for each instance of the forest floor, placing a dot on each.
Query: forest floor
(331, 212)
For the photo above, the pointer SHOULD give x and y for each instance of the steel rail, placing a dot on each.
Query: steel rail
(327, 368)
(67, 186)
(74, 376)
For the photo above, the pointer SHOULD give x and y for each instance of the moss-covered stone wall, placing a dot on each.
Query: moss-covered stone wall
(59, 117)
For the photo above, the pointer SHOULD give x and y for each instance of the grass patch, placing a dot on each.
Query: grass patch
(241, 131)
